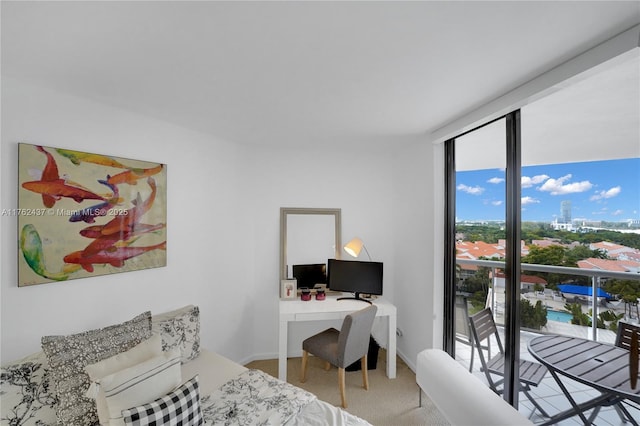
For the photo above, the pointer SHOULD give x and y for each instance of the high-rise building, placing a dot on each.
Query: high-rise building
(565, 211)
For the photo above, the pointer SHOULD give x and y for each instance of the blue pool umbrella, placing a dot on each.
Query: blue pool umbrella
(582, 290)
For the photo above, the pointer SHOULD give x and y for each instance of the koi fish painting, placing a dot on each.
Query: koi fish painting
(83, 215)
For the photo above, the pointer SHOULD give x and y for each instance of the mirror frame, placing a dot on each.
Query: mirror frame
(285, 211)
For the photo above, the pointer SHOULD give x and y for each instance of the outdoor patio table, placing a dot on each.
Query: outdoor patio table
(600, 365)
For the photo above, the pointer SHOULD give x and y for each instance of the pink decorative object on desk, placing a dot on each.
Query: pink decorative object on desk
(305, 294)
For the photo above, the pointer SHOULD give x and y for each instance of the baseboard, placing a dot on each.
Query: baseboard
(259, 357)
(274, 355)
(411, 364)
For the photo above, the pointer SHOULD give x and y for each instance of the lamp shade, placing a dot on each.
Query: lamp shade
(354, 247)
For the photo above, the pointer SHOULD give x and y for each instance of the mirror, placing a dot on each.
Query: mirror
(308, 236)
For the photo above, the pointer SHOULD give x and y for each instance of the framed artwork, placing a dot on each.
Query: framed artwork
(82, 215)
(289, 289)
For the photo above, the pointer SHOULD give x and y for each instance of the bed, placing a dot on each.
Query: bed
(228, 393)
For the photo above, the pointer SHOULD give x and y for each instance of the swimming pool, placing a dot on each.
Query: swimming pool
(559, 316)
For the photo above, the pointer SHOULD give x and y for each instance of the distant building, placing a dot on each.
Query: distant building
(527, 282)
(564, 223)
(561, 226)
(546, 242)
(565, 210)
(613, 250)
(623, 258)
(480, 249)
(610, 265)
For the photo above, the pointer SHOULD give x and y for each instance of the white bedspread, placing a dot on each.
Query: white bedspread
(256, 398)
(213, 370)
(230, 395)
(320, 413)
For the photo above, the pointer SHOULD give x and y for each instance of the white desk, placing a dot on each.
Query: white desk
(330, 309)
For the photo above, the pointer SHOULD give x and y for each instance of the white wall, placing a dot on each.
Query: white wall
(416, 282)
(202, 226)
(223, 226)
(359, 182)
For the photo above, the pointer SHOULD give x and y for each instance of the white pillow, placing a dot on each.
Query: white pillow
(179, 328)
(141, 383)
(144, 351)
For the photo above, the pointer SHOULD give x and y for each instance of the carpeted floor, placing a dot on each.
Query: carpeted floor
(388, 402)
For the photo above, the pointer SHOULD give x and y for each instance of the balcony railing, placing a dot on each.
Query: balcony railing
(550, 395)
(594, 275)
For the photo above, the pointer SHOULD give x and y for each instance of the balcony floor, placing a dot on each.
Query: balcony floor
(548, 394)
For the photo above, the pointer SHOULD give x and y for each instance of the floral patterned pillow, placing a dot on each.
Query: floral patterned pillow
(69, 355)
(26, 394)
(179, 328)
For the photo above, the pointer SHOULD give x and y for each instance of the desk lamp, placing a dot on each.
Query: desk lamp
(354, 247)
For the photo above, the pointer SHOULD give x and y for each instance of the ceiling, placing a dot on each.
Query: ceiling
(596, 118)
(298, 73)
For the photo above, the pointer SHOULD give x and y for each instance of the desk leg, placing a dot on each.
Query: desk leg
(391, 350)
(282, 349)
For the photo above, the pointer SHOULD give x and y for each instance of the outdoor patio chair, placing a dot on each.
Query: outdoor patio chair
(623, 340)
(463, 332)
(625, 331)
(531, 373)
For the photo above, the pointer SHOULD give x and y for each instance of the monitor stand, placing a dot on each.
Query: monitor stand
(356, 297)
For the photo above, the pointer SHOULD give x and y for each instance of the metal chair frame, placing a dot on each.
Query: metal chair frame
(531, 373)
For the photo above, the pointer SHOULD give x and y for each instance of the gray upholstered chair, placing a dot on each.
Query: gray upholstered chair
(342, 348)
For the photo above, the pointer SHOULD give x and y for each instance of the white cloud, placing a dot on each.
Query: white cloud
(528, 182)
(603, 210)
(528, 200)
(496, 203)
(473, 190)
(617, 213)
(495, 180)
(560, 187)
(606, 194)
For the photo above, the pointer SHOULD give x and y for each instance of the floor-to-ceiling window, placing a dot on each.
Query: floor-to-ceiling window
(573, 161)
(485, 166)
(581, 201)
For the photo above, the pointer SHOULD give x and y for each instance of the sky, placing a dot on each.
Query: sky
(598, 191)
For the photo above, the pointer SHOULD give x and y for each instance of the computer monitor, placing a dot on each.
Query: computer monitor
(355, 277)
(310, 275)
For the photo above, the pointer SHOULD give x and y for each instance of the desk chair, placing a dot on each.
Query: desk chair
(531, 373)
(342, 348)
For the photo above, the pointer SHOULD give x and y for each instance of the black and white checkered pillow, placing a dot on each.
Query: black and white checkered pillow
(179, 408)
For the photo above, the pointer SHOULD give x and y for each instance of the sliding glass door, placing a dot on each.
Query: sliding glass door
(484, 186)
(542, 219)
